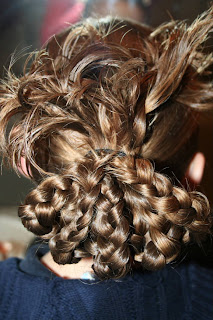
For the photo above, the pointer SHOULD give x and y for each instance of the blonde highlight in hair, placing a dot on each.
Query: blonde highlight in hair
(103, 108)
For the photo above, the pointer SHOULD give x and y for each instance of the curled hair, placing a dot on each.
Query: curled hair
(102, 110)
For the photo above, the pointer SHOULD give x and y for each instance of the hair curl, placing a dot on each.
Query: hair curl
(95, 105)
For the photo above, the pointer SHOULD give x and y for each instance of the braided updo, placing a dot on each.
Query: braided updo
(103, 110)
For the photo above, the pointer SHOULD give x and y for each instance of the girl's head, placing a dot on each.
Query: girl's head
(108, 116)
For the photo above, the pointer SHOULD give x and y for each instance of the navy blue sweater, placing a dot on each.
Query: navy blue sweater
(30, 291)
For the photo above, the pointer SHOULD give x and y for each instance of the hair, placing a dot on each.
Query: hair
(103, 110)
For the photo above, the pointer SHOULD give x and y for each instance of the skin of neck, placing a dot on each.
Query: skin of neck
(68, 271)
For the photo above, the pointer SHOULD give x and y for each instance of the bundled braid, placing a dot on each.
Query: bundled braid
(111, 230)
(42, 205)
(66, 204)
(164, 216)
(66, 210)
(92, 214)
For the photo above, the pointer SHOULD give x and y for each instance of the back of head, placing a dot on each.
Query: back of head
(104, 108)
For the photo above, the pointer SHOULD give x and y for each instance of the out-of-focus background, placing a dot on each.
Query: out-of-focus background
(25, 25)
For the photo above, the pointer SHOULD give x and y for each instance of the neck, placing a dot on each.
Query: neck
(68, 271)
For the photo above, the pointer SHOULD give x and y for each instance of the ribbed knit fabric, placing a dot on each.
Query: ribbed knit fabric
(28, 291)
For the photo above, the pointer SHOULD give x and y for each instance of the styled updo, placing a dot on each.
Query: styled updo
(108, 115)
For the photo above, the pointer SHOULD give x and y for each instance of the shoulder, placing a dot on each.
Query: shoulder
(185, 291)
(8, 270)
(201, 281)
(197, 289)
(20, 292)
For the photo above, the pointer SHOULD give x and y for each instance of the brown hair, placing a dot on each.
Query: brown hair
(103, 109)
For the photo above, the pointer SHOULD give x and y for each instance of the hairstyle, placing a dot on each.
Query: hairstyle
(99, 114)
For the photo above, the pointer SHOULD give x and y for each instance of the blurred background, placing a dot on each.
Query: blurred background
(25, 25)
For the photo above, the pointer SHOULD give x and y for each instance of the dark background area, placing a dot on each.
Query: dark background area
(20, 28)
